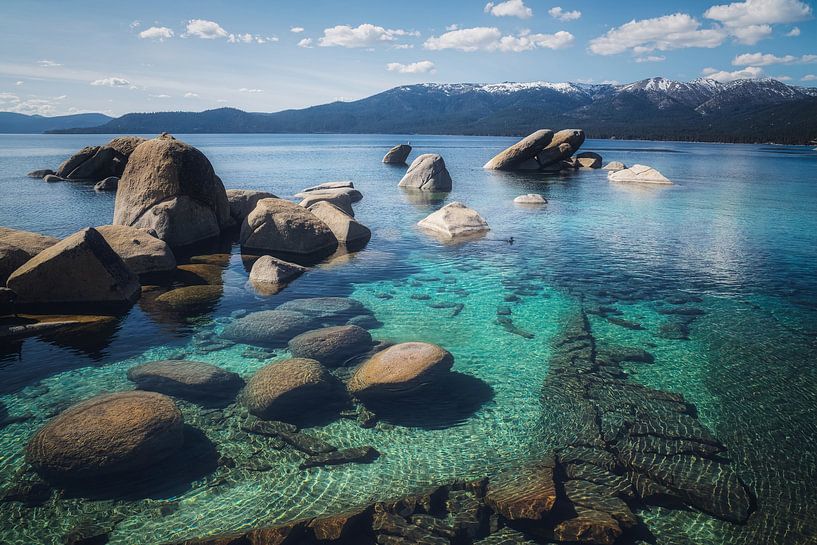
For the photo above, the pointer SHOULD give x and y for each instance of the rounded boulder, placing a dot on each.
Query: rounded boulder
(186, 379)
(268, 327)
(401, 369)
(332, 346)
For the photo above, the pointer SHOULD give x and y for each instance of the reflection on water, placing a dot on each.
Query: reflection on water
(714, 276)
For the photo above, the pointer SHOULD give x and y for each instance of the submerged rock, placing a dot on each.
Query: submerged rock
(268, 327)
(170, 187)
(588, 159)
(81, 268)
(17, 247)
(284, 390)
(139, 249)
(243, 201)
(326, 309)
(638, 174)
(455, 220)
(186, 379)
(397, 155)
(400, 369)
(41, 173)
(515, 157)
(428, 173)
(331, 346)
(531, 198)
(345, 228)
(527, 493)
(359, 455)
(268, 271)
(191, 298)
(277, 225)
(107, 435)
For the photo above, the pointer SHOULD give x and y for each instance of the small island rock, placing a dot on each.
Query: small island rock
(588, 159)
(455, 220)
(428, 173)
(397, 155)
(530, 198)
(638, 174)
(614, 165)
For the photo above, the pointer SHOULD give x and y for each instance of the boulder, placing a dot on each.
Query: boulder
(284, 390)
(170, 186)
(588, 159)
(331, 346)
(397, 155)
(428, 173)
(107, 435)
(563, 145)
(327, 309)
(353, 194)
(400, 369)
(614, 165)
(42, 173)
(271, 270)
(277, 225)
(186, 379)
(81, 268)
(68, 166)
(141, 251)
(17, 247)
(100, 162)
(7, 299)
(638, 174)
(455, 220)
(243, 201)
(530, 198)
(52, 178)
(330, 186)
(268, 327)
(335, 198)
(200, 273)
(522, 155)
(108, 184)
(345, 228)
(191, 298)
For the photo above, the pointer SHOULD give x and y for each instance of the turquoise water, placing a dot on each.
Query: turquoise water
(736, 234)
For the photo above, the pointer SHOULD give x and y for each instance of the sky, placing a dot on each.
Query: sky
(59, 57)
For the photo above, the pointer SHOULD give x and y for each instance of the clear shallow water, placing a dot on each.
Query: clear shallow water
(737, 230)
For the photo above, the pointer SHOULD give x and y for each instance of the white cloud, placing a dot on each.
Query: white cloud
(190, 94)
(48, 64)
(159, 96)
(420, 67)
(403, 46)
(160, 33)
(509, 8)
(750, 72)
(675, 31)
(306, 42)
(454, 26)
(761, 59)
(759, 12)
(207, 30)
(297, 29)
(562, 15)
(651, 58)
(135, 24)
(365, 35)
(111, 82)
(809, 77)
(808, 59)
(10, 102)
(782, 78)
(253, 91)
(250, 38)
(751, 34)
(793, 32)
(491, 39)
(18, 83)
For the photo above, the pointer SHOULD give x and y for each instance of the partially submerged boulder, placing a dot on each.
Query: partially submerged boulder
(428, 173)
(268, 327)
(344, 184)
(108, 184)
(455, 220)
(100, 162)
(338, 199)
(562, 146)
(170, 186)
(269, 274)
(284, 390)
(588, 159)
(191, 299)
(345, 228)
(640, 174)
(243, 201)
(516, 156)
(193, 380)
(82, 268)
(277, 225)
(401, 369)
(331, 346)
(41, 173)
(17, 247)
(326, 309)
(107, 435)
(141, 251)
(530, 198)
(614, 165)
(397, 155)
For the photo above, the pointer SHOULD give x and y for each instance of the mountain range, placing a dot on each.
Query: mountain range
(749, 110)
(11, 122)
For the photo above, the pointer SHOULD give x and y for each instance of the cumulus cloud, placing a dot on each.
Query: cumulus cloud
(252, 91)
(751, 34)
(491, 39)
(766, 59)
(306, 42)
(48, 64)
(10, 102)
(297, 29)
(759, 12)
(250, 38)
(793, 32)
(651, 58)
(675, 31)
(204, 29)
(809, 77)
(562, 15)
(191, 94)
(509, 8)
(365, 35)
(111, 82)
(160, 33)
(455, 26)
(420, 67)
(724, 76)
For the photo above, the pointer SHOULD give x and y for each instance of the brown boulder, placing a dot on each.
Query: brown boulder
(402, 368)
(269, 273)
(100, 162)
(186, 379)
(277, 225)
(588, 159)
(397, 155)
(331, 346)
(140, 250)
(345, 227)
(428, 173)
(563, 145)
(17, 247)
(527, 493)
(243, 201)
(526, 149)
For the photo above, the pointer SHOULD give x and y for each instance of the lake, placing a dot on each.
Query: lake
(735, 237)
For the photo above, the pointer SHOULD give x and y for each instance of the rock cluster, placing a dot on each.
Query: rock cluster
(543, 150)
(95, 163)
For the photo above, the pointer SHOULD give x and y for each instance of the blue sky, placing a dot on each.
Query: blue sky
(60, 57)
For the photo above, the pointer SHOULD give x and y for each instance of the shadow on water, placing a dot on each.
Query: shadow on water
(448, 403)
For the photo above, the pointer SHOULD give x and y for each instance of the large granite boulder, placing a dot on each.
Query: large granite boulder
(243, 201)
(17, 247)
(107, 435)
(588, 159)
(336, 198)
(638, 174)
(277, 225)
(81, 268)
(428, 173)
(455, 220)
(271, 270)
(284, 390)
(99, 162)
(332, 346)
(397, 155)
(562, 146)
(139, 249)
(401, 369)
(268, 327)
(344, 226)
(192, 380)
(170, 187)
(524, 150)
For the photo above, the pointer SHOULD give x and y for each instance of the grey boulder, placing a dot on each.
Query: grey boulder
(243, 201)
(186, 379)
(397, 155)
(139, 249)
(345, 228)
(522, 155)
(332, 346)
(277, 225)
(428, 173)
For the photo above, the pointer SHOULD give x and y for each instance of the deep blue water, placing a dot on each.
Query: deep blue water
(738, 229)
